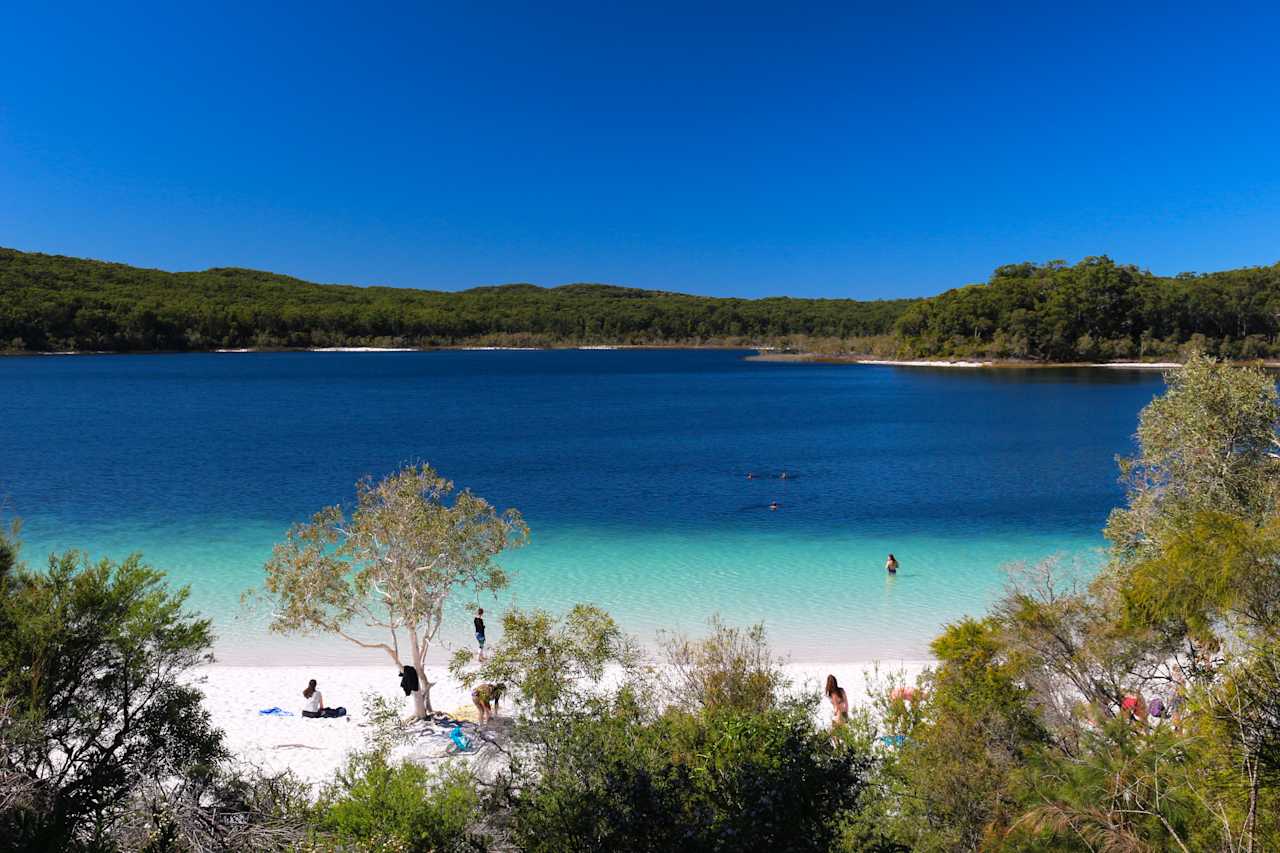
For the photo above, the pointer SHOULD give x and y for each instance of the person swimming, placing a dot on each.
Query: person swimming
(751, 475)
(784, 476)
(773, 505)
(891, 565)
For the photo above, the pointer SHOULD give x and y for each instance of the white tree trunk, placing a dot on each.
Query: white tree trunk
(421, 696)
(421, 700)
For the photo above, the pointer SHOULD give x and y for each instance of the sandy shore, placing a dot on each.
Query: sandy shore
(821, 358)
(316, 749)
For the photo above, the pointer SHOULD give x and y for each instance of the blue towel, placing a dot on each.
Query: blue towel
(275, 712)
(460, 739)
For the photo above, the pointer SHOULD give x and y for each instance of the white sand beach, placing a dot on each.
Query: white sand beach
(933, 363)
(1139, 365)
(315, 749)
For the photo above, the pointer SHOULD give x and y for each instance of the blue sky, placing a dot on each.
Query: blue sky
(729, 149)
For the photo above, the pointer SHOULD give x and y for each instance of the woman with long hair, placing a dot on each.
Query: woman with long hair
(839, 702)
(315, 708)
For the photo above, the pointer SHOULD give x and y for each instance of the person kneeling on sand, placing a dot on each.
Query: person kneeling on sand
(315, 704)
(485, 697)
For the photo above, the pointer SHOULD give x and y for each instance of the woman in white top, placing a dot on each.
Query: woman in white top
(315, 704)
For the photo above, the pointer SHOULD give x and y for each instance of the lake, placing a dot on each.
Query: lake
(630, 467)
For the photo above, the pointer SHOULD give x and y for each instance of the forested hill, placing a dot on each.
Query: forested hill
(1098, 310)
(1094, 310)
(55, 303)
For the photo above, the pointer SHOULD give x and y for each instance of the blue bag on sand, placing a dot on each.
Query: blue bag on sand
(275, 712)
(459, 738)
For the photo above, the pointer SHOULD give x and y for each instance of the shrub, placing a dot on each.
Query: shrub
(376, 805)
(710, 781)
(92, 658)
(733, 668)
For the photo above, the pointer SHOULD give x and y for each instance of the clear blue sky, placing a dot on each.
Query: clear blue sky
(730, 149)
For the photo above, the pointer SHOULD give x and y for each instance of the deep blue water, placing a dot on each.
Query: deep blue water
(629, 466)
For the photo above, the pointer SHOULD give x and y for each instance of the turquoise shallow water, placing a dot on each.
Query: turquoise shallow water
(630, 467)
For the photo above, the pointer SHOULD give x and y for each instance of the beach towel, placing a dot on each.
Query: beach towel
(275, 712)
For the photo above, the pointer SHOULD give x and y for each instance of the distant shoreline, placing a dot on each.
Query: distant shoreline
(450, 348)
(971, 364)
(762, 354)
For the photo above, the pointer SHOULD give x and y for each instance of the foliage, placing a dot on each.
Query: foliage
(733, 668)
(1099, 310)
(390, 565)
(1130, 792)
(94, 660)
(551, 660)
(711, 781)
(1217, 574)
(1206, 444)
(49, 302)
(227, 810)
(1094, 310)
(953, 773)
(379, 806)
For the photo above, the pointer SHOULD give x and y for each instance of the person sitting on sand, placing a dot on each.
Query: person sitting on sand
(314, 707)
(891, 565)
(485, 697)
(839, 702)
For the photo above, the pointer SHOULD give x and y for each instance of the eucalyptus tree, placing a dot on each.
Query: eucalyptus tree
(380, 576)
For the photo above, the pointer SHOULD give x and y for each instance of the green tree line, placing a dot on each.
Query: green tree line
(55, 303)
(1095, 310)
(1098, 310)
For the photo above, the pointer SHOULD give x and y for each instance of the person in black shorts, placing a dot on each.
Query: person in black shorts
(479, 621)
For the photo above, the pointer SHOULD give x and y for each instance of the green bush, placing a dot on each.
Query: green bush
(376, 805)
(92, 704)
(715, 781)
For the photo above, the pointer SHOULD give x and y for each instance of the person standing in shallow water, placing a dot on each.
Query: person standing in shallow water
(891, 565)
(479, 623)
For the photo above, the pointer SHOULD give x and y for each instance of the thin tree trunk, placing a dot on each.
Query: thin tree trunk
(421, 696)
